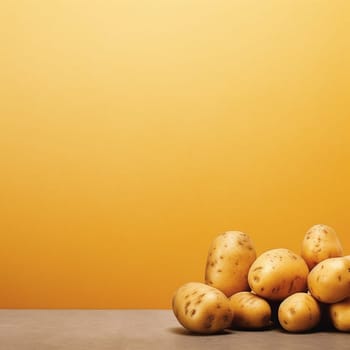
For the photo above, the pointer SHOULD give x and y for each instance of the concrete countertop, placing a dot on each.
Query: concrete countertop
(138, 330)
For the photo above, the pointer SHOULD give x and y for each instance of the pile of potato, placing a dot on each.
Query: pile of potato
(279, 287)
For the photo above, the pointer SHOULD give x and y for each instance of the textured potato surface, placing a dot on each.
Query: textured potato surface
(320, 242)
(299, 312)
(201, 308)
(229, 259)
(250, 311)
(340, 315)
(278, 273)
(329, 280)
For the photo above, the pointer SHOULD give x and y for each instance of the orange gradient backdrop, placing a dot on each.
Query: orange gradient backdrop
(133, 132)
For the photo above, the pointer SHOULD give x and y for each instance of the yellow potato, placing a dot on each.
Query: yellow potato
(299, 312)
(278, 273)
(320, 242)
(201, 308)
(250, 311)
(329, 280)
(229, 258)
(340, 315)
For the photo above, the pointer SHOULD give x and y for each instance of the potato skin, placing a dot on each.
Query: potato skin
(278, 273)
(329, 280)
(320, 242)
(229, 259)
(201, 308)
(300, 312)
(250, 311)
(340, 315)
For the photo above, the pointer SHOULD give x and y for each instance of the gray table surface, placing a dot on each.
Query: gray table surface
(138, 330)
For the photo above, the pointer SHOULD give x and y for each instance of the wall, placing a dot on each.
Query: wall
(133, 132)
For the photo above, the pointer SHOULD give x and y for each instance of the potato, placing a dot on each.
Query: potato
(278, 273)
(329, 280)
(320, 242)
(299, 312)
(229, 258)
(201, 308)
(250, 311)
(340, 315)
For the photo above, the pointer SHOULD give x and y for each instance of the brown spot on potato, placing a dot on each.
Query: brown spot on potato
(210, 318)
(262, 289)
(221, 257)
(339, 278)
(258, 268)
(291, 286)
(193, 312)
(218, 306)
(256, 279)
(225, 317)
(187, 307)
(292, 310)
(219, 270)
(285, 322)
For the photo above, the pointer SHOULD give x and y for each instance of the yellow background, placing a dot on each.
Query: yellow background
(133, 132)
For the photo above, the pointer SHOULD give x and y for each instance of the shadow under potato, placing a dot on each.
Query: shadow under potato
(185, 332)
(254, 330)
